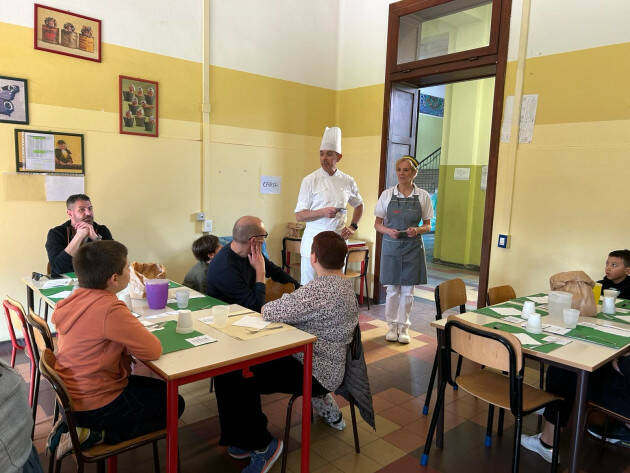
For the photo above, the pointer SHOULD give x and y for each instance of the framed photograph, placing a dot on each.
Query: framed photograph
(49, 152)
(67, 33)
(13, 100)
(137, 106)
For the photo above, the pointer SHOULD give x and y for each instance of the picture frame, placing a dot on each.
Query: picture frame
(67, 33)
(13, 100)
(138, 106)
(50, 152)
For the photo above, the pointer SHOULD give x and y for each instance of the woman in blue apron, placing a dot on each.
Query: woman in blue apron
(399, 213)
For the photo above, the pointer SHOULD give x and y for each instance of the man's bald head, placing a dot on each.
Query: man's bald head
(247, 227)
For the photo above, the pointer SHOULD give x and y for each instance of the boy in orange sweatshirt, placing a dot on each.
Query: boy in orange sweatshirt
(97, 335)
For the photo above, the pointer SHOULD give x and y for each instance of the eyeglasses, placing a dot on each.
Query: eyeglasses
(260, 236)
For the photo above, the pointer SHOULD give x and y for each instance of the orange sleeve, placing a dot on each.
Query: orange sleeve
(122, 327)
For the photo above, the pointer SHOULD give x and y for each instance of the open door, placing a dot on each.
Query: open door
(403, 121)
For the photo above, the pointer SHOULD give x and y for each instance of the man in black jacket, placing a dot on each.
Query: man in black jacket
(64, 240)
(236, 274)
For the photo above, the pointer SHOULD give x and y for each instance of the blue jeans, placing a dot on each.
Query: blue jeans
(138, 410)
(32, 465)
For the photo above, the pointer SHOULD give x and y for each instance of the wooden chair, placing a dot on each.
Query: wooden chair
(97, 453)
(449, 294)
(290, 247)
(500, 351)
(499, 294)
(287, 425)
(14, 313)
(274, 290)
(359, 255)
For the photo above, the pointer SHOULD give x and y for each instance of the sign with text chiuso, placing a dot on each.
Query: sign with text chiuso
(270, 184)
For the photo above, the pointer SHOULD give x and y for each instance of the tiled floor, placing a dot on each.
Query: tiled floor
(399, 377)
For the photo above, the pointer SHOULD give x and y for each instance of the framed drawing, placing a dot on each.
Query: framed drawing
(49, 152)
(67, 33)
(137, 106)
(13, 100)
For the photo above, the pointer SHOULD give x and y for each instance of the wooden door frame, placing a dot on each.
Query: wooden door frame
(465, 66)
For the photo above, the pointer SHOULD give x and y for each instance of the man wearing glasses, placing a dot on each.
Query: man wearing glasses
(64, 240)
(236, 274)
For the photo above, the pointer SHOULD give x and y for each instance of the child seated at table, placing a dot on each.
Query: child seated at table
(98, 336)
(618, 273)
(204, 248)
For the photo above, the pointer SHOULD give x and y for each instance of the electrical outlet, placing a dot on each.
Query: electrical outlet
(504, 241)
(201, 216)
(207, 225)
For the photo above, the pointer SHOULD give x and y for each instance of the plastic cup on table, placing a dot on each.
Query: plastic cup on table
(220, 314)
(597, 292)
(611, 292)
(570, 317)
(534, 324)
(184, 322)
(182, 296)
(608, 305)
(157, 293)
(528, 309)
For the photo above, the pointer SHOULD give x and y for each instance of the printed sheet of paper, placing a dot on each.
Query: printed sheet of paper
(506, 311)
(251, 322)
(61, 295)
(514, 320)
(39, 152)
(56, 283)
(59, 188)
(201, 340)
(529, 103)
(208, 320)
(539, 299)
(557, 330)
(526, 339)
(558, 340)
(606, 329)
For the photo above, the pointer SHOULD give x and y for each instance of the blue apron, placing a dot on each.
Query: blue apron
(402, 260)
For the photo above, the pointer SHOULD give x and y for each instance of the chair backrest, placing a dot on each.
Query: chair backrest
(499, 294)
(274, 290)
(357, 255)
(449, 294)
(483, 345)
(48, 268)
(292, 245)
(41, 331)
(15, 314)
(47, 362)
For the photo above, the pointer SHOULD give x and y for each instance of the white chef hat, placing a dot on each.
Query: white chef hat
(331, 139)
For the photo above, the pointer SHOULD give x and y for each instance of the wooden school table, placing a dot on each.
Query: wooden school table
(204, 361)
(578, 356)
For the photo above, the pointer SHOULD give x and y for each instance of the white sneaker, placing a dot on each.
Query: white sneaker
(403, 334)
(392, 335)
(533, 443)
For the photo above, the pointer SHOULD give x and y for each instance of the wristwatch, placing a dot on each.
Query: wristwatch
(354, 226)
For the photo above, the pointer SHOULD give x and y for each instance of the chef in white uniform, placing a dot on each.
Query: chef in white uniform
(324, 195)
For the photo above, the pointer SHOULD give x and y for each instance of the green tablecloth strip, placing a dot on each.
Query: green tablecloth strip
(589, 334)
(546, 347)
(172, 284)
(199, 303)
(491, 313)
(612, 318)
(171, 340)
(623, 303)
(50, 293)
(525, 298)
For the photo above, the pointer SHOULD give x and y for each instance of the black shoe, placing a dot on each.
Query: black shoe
(618, 433)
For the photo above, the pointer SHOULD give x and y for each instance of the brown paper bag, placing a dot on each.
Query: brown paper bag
(139, 272)
(580, 285)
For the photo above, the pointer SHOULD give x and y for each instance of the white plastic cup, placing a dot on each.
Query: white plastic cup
(570, 317)
(182, 296)
(220, 314)
(534, 324)
(528, 309)
(608, 305)
(184, 322)
(611, 292)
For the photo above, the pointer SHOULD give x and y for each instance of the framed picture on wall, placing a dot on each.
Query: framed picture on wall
(67, 33)
(137, 106)
(13, 100)
(49, 152)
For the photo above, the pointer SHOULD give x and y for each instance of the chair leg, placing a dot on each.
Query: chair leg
(541, 383)
(500, 423)
(112, 464)
(38, 376)
(211, 390)
(156, 457)
(367, 293)
(46, 312)
(427, 399)
(287, 429)
(57, 463)
(556, 443)
(517, 443)
(100, 466)
(458, 370)
(13, 353)
(488, 441)
(424, 459)
(355, 432)
(31, 388)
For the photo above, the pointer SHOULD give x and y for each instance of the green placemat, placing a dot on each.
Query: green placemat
(525, 298)
(546, 347)
(171, 340)
(199, 303)
(623, 303)
(491, 313)
(70, 275)
(50, 293)
(589, 334)
(612, 318)
(172, 284)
